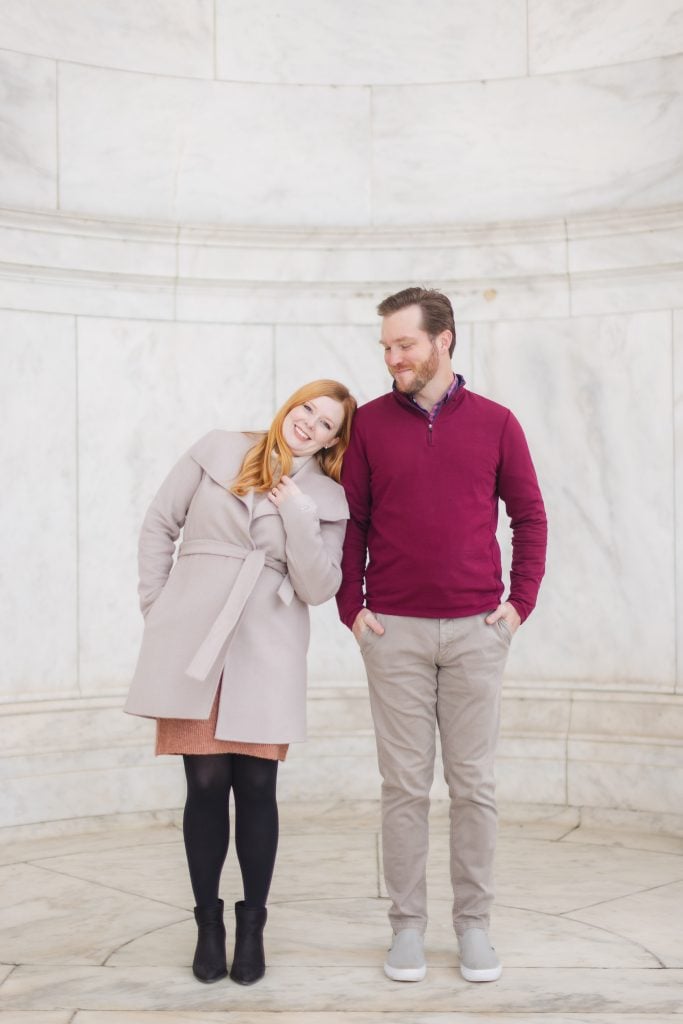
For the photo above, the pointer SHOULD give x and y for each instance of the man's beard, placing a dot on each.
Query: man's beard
(422, 374)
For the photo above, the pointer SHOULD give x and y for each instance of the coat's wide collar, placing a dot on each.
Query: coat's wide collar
(221, 453)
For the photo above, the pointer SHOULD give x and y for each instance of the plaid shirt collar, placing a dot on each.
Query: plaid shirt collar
(453, 388)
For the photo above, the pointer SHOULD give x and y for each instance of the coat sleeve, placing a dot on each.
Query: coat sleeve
(161, 528)
(313, 550)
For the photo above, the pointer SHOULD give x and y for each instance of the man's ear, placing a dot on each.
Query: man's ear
(446, 337)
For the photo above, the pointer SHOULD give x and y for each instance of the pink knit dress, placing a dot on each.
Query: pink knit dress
(189, 736)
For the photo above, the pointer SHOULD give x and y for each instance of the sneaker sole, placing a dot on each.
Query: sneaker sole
(484, 974)
(405, 973)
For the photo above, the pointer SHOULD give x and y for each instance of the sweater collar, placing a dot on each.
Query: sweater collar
(451, 397)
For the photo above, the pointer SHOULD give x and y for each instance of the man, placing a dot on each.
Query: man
(423, 475)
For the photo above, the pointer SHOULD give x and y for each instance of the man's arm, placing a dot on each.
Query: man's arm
(518, 487)
(356, 482)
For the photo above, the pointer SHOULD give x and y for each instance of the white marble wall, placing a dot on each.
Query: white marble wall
(116, 384)
(160, 37)
(28, 153)
(569, 34)
(407, 42)
(678, 483)
(38, 523)
(409, 113)
(181, 150)
(200, 205)
(597, 404)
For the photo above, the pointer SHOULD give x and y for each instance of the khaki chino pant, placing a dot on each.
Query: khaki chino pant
(423, 673)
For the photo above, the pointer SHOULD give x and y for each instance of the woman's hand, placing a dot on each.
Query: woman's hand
(285, 488)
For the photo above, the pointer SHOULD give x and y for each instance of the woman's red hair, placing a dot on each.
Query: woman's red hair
(259, 471)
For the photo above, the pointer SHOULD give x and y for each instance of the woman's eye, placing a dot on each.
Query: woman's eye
(307, 407)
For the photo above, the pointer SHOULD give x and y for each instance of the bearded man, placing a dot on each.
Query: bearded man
(427, 466)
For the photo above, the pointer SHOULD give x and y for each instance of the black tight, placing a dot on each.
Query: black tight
(206, 822)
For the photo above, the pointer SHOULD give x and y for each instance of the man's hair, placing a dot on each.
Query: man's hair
(437, 312)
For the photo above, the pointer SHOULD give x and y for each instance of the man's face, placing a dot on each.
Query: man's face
(411, 356)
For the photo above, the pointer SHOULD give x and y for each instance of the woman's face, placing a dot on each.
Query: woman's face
(314, 425)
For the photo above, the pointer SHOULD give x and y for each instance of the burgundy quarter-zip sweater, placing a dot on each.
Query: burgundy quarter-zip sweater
(424, 499)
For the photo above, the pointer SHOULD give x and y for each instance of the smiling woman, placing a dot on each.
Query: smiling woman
(314, 423)
(223, 660)
(322, 412)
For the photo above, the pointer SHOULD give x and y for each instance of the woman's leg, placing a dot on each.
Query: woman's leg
(256, 836)
(254, 781)
(206, 828)
(206, 822)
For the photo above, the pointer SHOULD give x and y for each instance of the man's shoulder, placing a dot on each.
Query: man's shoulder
(374, 412)
(485, 408)
(376, 406)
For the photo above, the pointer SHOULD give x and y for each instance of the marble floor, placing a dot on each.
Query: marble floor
(96, 927)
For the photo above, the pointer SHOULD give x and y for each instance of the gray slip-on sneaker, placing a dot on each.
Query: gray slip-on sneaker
(478, 959)
(406, 960)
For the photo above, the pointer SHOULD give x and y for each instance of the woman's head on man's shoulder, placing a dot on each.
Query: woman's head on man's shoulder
(314, 421)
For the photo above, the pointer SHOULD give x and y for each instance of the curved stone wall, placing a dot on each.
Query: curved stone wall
(441, 113)
(200, 206)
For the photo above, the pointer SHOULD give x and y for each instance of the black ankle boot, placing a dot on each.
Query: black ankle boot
(209, 962)
(248, 963)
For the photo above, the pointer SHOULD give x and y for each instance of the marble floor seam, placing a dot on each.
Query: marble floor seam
(104, 885)
(91, 938)
(613, 899)
(574, 828)
(142, 935)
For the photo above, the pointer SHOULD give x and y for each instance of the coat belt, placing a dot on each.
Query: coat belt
(253, 562)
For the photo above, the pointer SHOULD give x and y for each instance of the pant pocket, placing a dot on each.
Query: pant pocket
(504, 629)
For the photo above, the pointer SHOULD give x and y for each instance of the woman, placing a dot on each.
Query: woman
(223, 660)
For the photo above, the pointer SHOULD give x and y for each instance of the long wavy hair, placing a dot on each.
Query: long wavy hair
(260, 471)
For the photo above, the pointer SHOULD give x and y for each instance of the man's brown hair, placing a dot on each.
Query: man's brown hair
(437, 312)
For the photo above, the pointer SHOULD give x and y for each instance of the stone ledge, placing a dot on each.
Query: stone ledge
(618, 750)
(133, 270)
(339, 815)
(590, 716)
(96, 250)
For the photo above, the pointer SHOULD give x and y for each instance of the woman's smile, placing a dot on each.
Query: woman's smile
(301, 434)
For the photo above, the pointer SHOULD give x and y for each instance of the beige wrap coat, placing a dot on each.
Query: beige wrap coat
(236, 600)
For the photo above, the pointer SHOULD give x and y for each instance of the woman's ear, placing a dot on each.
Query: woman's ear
(332, 443)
